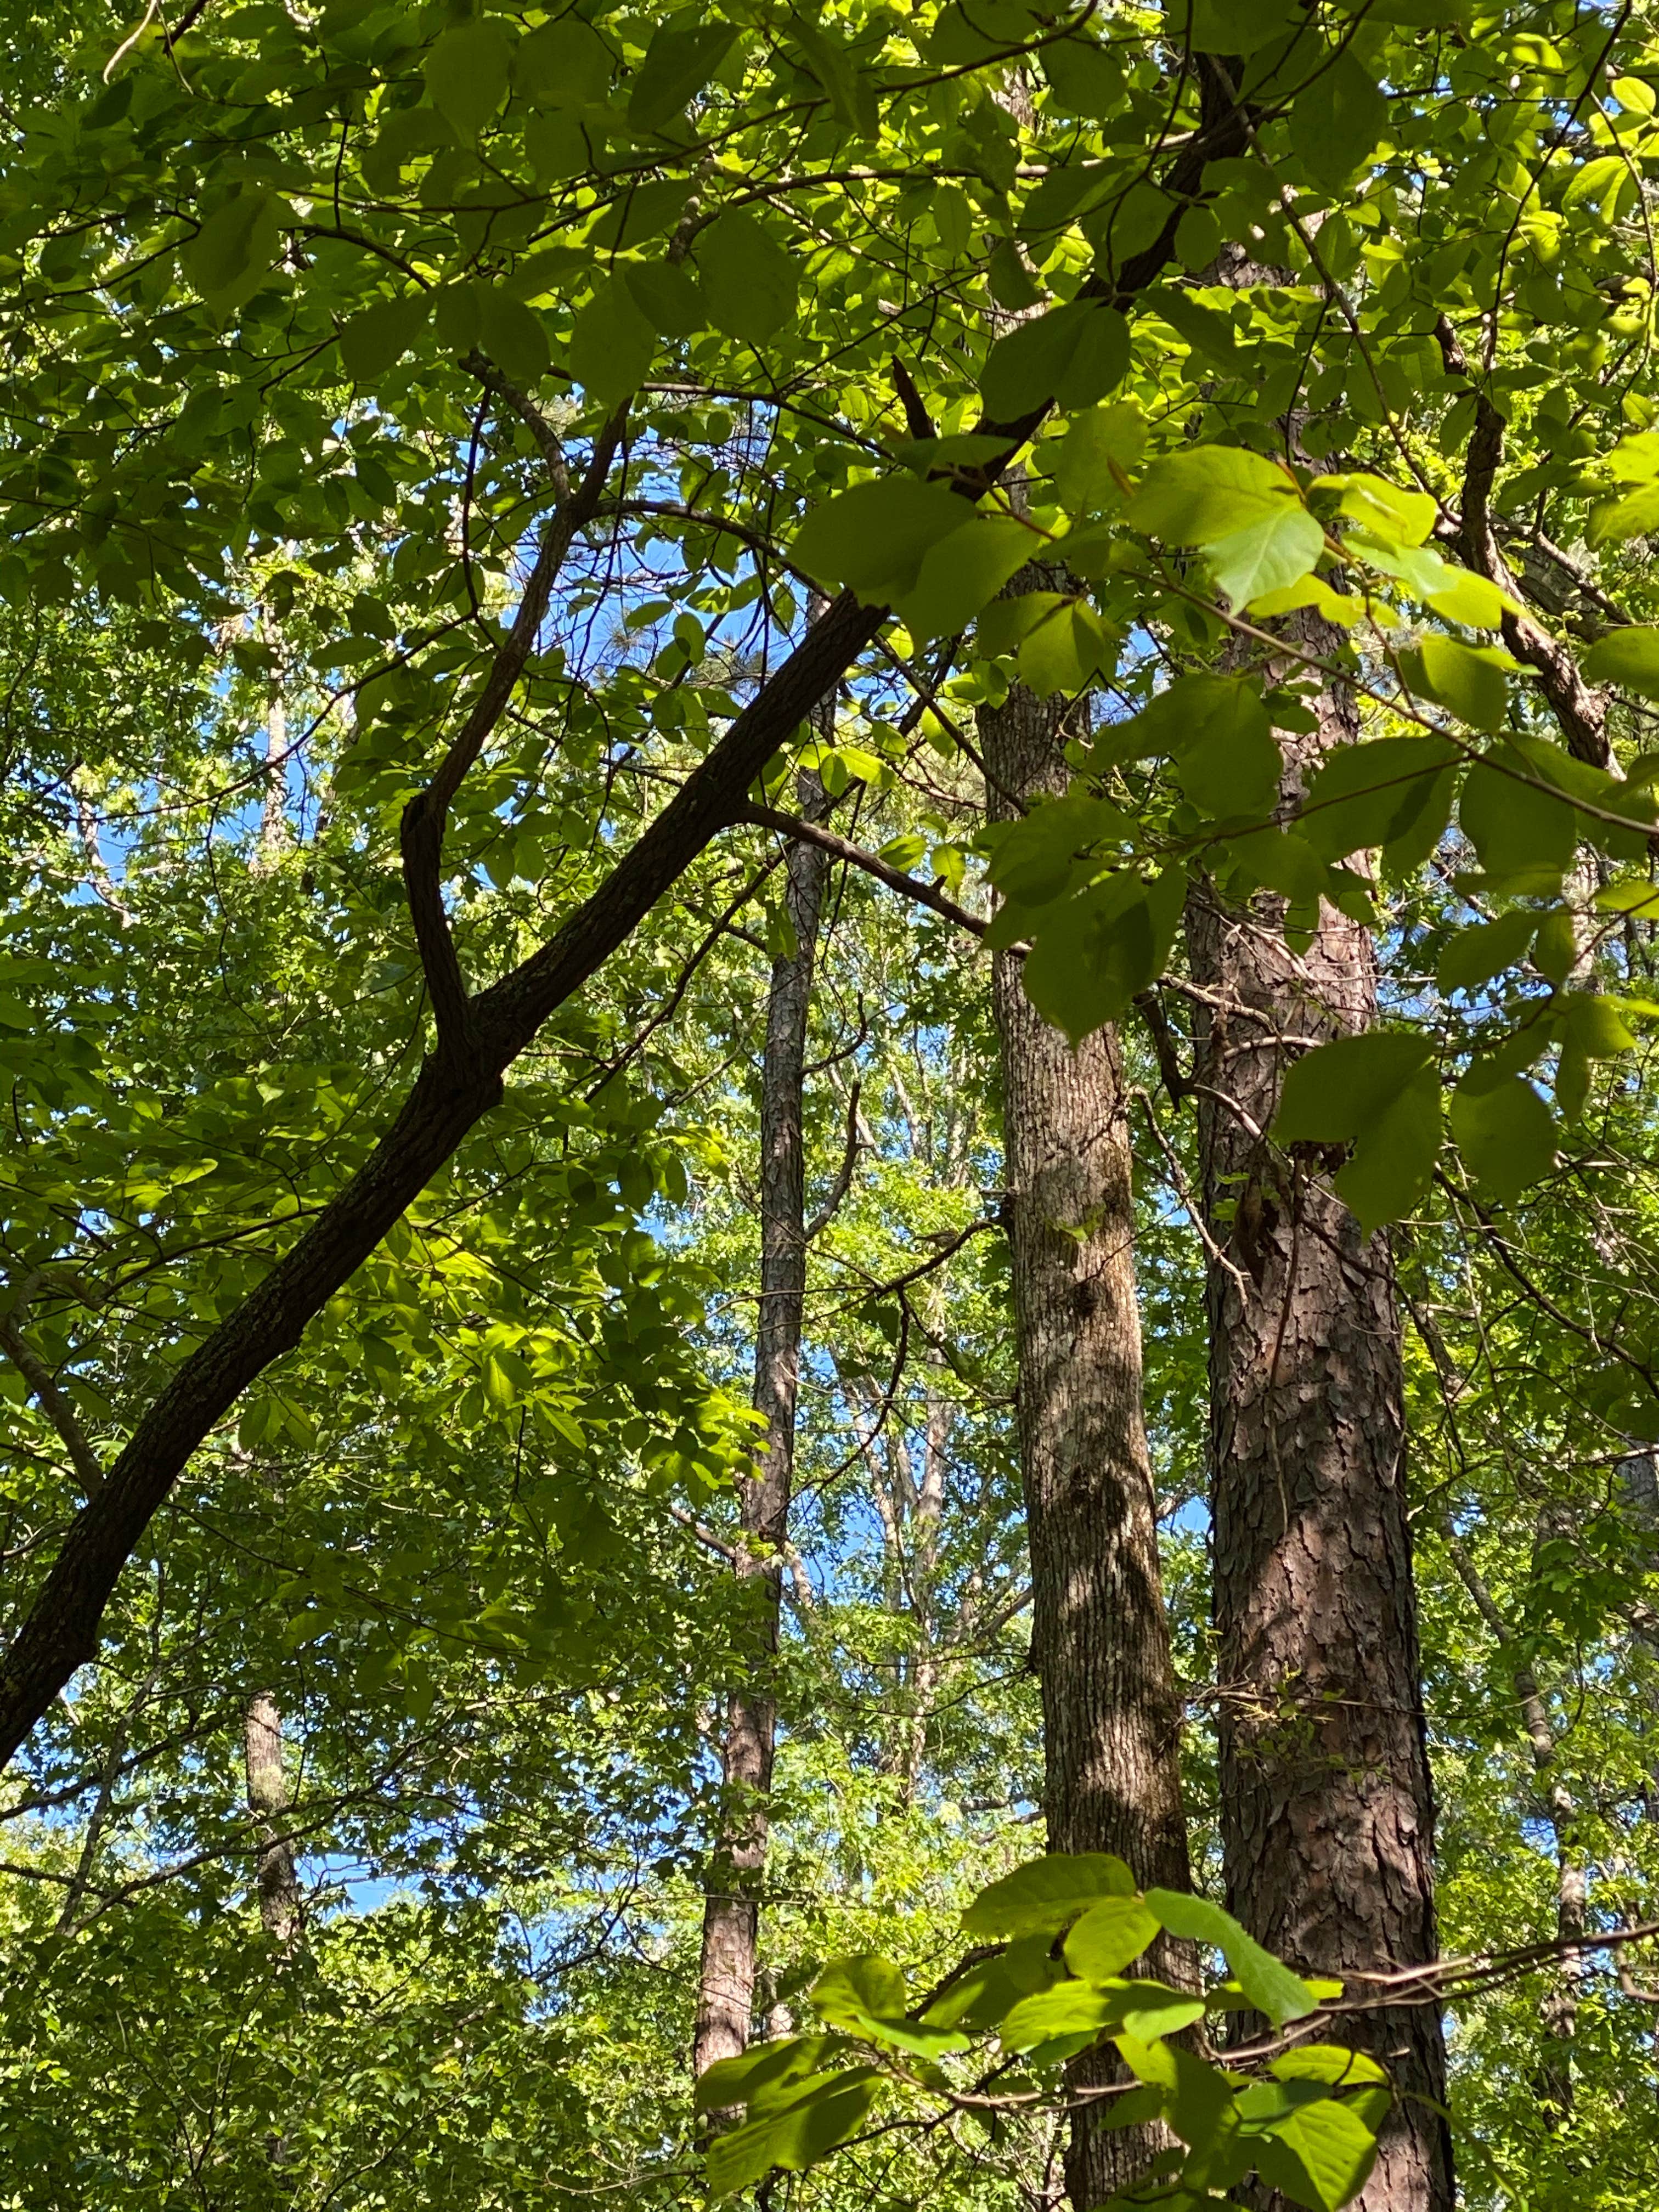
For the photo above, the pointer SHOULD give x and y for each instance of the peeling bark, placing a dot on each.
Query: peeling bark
(276, 1875)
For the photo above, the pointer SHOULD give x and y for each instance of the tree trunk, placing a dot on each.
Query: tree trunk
(1327, 1815)
(1100, 1640)
(725, 1988)
(277, 1879)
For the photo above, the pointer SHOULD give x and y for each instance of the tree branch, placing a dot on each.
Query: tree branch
(843, 1182)
(814, 833)
(41, 1381)
(426, 814)
(1581, 713)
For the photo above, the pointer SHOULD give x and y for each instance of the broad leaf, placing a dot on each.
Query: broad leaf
(1108, 1936)
(678, 65)
(1045, 1894)
(1271, 1987)
(747, 280)
(1072, 356)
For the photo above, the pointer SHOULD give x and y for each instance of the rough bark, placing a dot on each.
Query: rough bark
(1326, 1813)
(725, 1987)
(1100, 1641)
(276, 1875)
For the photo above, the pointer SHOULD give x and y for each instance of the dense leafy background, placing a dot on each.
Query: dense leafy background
(265, 525)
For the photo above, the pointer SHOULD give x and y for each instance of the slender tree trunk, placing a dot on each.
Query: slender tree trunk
(1327, 1815)
(1100, 1639)
(276, 1876)
(725, 1988)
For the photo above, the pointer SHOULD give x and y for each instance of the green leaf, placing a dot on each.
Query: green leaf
(1267, 556)
(1594, 184)
(1284, 862)
(1072, 356)
(1084, 79)
(749, 282)
(852, 95)
(1625, 656)
(1068, 649)
(1523, 835)
(1377, 794)
(875, 537)
(1505, 1131)
(1010, 282)
(611, 345)
(980, 1997)
(1392, 1164)
(1327, 2061)
(513, 335)
(1470, 679)
(564, 64)
(1379, 1093)
(1045, 1894)
(828, 2109)
(1406, 517)
(1320, 2155)
(1338, 119)
(372, 342)
(1555, 949)
(230, 255)
(1230, 763)
(466, 73)
(1108, 1936)
(866, 1997)
(403, 135)
(1633, 514)
(678, 65)
(852, 1989)
(1330, 1094)
(1311, 592)
(642, 212)
(1595, 1024)
(1632, 894)
(1148, 2010)
(1271, 1987)
(1035, 857)
(1475, 954)
(1101, 442)
(762, 2066)
(1068, 2008)
(1218, 733)
(964, 571)
(667, 296)
(558, 147)
(953, 219)
(1205, 494)
(1091, 954)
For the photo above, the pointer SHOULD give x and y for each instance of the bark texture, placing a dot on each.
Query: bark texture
(1100, 1640)
(726, 1988)
(1326, 1814)
(276, 1878)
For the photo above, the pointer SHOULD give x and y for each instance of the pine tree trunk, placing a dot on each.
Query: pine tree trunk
(1326, 1816)
(276, 1876)
(1100, 1639)
(725, 1988)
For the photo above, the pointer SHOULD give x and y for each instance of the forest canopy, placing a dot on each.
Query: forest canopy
(829, 1246)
